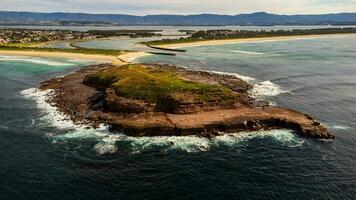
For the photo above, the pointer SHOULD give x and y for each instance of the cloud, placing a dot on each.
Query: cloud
(144, 7)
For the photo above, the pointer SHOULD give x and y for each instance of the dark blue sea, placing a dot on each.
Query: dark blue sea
(43, 155)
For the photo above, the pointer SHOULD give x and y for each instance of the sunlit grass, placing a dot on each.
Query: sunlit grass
(148, 83)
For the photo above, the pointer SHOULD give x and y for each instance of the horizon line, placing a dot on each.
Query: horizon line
(192, 14)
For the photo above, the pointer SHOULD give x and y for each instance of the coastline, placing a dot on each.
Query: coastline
(129, 57)
(172, 115)
(208, 123)
(88, 57)
(246, 40)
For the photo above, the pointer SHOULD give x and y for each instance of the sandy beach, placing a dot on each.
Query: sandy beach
(79, 56)
(244, 40)
(130, 57)
(116, 60)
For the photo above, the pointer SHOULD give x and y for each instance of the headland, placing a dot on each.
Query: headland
(156, 100)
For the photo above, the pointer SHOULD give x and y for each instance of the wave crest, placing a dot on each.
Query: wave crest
(106, 142)
(247, 52)
(35, 60)
(265, 89)
(244, 78)
(51, 115)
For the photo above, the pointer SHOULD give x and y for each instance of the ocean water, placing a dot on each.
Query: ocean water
(45, 156)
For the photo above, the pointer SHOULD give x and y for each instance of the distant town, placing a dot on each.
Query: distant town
(23, 36)
(26, 36)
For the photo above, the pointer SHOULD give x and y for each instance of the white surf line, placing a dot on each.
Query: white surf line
(34, 60)
(266, 88)
(109, 143)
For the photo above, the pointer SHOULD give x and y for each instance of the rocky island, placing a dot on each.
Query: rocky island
(157, 100)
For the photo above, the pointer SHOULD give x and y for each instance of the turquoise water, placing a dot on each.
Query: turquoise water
(133, 43)
(59, 45)
(115, 43)
(45, 156)
(122, 43)
(309, 74)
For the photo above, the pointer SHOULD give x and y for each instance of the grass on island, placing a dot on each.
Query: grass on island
(148, 83)
(80, 50)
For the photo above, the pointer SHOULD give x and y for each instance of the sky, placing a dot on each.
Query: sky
(146, 7)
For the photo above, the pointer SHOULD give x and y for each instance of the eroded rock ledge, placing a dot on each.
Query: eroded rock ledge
(196, 103)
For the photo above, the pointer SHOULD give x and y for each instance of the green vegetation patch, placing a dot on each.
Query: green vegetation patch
(149, 83)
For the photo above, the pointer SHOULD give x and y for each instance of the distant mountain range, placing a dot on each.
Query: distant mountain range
(256, 19)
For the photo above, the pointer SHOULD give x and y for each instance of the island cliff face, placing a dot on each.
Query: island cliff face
(157, 100)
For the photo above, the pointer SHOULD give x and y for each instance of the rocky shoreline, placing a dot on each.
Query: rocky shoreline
(174, 114)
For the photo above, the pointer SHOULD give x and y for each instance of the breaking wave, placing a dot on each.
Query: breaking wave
(259, 90)
(247, 52)
(51, 113)
(106, 142)
(109, 143)
(265, 89)
(35, 60)
(339, 127)
(244, 78)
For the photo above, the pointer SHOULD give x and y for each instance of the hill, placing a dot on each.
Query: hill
(257, 19)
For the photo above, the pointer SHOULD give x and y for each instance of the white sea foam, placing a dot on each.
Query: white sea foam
(190, 45)
(35, 60)
(196, 144)
(339, 127)
(248, 52)
(245, 78)
(52, 115)
(102, 148)
(283, 136)
(266, 88)
(109, 143)
(184, 143)
(259, 90)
